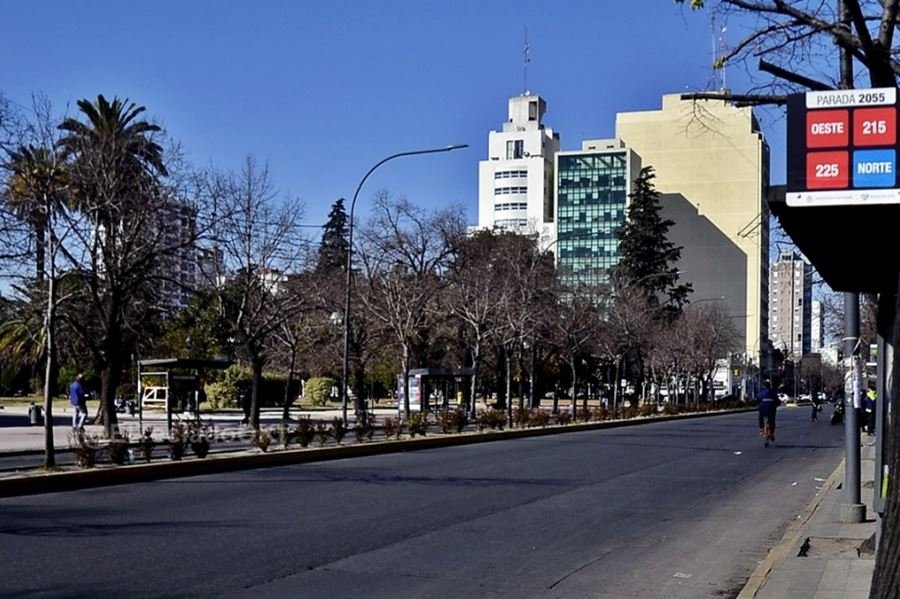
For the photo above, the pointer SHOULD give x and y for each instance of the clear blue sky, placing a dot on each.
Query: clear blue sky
(324, 89)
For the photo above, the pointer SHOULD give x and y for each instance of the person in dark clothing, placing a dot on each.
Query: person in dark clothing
(814, 416)
(767, 405)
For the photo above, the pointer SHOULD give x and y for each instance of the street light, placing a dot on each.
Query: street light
(350, 260)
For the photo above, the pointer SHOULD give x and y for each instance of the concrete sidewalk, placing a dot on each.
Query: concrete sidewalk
(839, 558)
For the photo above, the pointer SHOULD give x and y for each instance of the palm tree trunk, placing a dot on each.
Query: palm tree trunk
(574, 384)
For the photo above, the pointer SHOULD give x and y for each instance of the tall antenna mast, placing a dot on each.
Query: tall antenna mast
(723, 46)
(526, 58)
(714, 76)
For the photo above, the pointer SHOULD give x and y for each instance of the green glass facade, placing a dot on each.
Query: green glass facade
(592, 191)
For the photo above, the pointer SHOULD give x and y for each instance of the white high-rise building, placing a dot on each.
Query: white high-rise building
(516, 182)
(817, 328)
(790, 296)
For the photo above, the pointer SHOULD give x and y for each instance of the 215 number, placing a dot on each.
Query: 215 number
(874, 127)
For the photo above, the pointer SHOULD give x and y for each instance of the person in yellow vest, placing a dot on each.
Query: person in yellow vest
(869, 409)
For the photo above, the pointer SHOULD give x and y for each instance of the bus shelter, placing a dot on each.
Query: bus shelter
(435, 388)
(182, 389)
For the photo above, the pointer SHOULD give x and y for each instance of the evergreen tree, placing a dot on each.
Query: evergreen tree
(334, 244)
(649, 258)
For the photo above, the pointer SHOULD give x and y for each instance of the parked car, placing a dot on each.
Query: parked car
(785, 398)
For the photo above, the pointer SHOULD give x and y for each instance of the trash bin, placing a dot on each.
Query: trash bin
(35, 415)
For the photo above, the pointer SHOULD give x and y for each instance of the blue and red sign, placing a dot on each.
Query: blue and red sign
(843, 147)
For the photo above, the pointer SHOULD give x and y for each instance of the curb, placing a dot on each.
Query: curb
(52, 482)
(791, 536)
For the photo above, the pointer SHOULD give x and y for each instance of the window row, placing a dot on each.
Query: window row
(499, 191)
(511, 223)
(511, 206)
(510, 174)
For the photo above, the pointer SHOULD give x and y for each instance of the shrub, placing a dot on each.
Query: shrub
(220, 395)
(521, 417)
(318, 390)
(393, 427)
(305, 431)
(177, 441)
(417, 423)
(490, 418)
(262, 439)
(600, 414)
(539, 418)
(583, 415)
(118, 449)
(460, 419)
(365, 427)
(670, 409)
(338, 429)
(564, 417)
(198, 437)
(146, 444)
(449, 421)
(322, 433)
(85, 448)
(647, 409)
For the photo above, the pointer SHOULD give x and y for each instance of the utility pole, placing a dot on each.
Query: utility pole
(853, 510)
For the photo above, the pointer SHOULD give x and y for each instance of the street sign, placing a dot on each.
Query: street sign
(842, 148)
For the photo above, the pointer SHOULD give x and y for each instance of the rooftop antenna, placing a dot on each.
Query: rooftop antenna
(723, 45)
(714, 75)
(526, 58)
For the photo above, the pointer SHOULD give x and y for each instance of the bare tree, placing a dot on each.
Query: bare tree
(258, 240)
(473, 293)
(575, 319)
(405, 252)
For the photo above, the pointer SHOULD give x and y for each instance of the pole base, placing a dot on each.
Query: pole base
(853, 513)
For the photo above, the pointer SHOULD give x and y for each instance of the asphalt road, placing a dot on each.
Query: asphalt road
(669, 510)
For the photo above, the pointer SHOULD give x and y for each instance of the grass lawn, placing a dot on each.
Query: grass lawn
(28, 399)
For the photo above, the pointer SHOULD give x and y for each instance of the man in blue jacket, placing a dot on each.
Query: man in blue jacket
(79, 402)
(768, 404)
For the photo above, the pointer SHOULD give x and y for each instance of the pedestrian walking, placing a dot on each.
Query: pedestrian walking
(814, 416)
(79, 402)
(869, 409)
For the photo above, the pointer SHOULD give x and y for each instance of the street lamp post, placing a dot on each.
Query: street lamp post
(346, 357)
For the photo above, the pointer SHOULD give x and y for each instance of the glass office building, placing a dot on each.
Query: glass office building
(592, 196)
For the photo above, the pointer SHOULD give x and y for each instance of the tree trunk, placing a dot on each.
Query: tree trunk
(109, 382)
(574, 385)
(508, 360)
(476, 360)
(615, 405)
(286, 408)
(406, 382)
(50, 352)
(521, 381)
(255, 401)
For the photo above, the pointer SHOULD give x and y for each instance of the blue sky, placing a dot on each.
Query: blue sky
(324, 89)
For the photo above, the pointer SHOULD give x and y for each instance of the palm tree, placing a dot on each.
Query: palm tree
(116, 166)
(35, 188)
(114, 141)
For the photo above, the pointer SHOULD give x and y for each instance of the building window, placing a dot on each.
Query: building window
(515, 148)
(510, 174)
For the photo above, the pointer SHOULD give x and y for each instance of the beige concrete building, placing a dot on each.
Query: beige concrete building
(712, 169)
